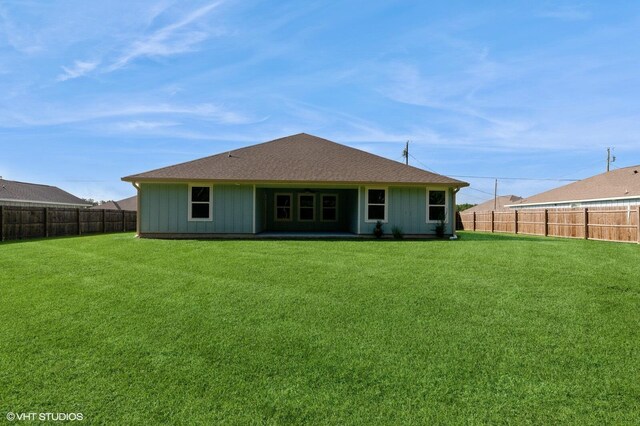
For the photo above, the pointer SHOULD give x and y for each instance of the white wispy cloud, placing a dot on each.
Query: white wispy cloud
(569, 12)
(78, 69)
(144, 125)
(52, 115)
(175, 38)
(169, 40)
(21, 41)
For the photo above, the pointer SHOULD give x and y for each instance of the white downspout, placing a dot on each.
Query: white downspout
(136, 185)
(453, 210)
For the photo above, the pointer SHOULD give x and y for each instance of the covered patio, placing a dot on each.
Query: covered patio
(306, 210)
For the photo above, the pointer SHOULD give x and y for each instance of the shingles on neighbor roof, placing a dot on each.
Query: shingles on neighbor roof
(499, 204)
(298, 158)
(620, 183)
(129, 204)
(36, 193)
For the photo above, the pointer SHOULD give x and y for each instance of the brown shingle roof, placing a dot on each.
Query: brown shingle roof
(618, 183)
(298, 158)
(35, 193)
(129, 204)
(501, 202)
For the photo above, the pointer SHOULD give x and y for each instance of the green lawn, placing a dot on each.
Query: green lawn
(486, 329)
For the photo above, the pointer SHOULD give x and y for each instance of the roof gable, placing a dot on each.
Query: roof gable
(129, 204)
(619, 183)
(296, 158)
(500, 204)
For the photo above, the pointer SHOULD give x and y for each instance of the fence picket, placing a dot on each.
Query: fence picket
(31, 222)
(604, 223)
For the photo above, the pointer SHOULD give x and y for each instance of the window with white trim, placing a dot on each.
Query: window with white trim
(329, 203)
(306, 207)
(283, 207)
(436, 205)
(376, 205)
(200, 205)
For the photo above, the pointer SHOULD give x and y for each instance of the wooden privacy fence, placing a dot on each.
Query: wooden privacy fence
(605, 224)
(18, 223)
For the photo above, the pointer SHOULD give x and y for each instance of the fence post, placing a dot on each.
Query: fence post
(492, 221)
(1, 224)
(515, 222)
(638, 220)
(104, 221)
(79, 224)
(20, 227)
(586, 223)
(546, 222)
(474, 221)
(124, 221)
(46, 222)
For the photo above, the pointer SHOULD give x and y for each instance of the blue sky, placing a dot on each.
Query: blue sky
(93, 91)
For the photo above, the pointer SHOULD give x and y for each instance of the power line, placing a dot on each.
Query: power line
(493, 177)
(514, 178)
(477, 197)
(479, 190)
(421, 163)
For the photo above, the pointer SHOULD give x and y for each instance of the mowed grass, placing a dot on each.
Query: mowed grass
(486, 329)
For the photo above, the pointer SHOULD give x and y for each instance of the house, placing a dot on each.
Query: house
(498, 204)
(23, 194)
(296, 184)
(127, 204)
(620, 187)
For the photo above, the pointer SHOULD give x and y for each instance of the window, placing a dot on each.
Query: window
(376, 205)
(200, 205)
(283, 207)
(329, 207)
(306, 207)
(437, 206)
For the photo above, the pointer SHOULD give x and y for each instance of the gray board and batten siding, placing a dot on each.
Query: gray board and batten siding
(165, 210)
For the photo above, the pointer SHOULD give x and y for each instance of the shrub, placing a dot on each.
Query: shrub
(440, 229)
(397, 232)
(377, 231)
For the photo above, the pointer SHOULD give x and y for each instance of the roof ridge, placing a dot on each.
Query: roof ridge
(378, 156)
(339, 145)
(29, 183)
(214, 155)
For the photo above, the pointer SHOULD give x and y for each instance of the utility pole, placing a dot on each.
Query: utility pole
(495, 195)
(405, 153)
(610, 158)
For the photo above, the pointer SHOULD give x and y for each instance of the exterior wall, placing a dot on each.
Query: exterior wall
(261, 211)
(164, 209)
(582, 205)
(407, 209)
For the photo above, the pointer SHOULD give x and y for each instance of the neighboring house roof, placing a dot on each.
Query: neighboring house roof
(23, 192)
(617, 184)
(500, 204)
(129, 204)
(297, 158)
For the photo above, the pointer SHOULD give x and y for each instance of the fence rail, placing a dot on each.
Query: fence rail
(602, 224)
(18, 223)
